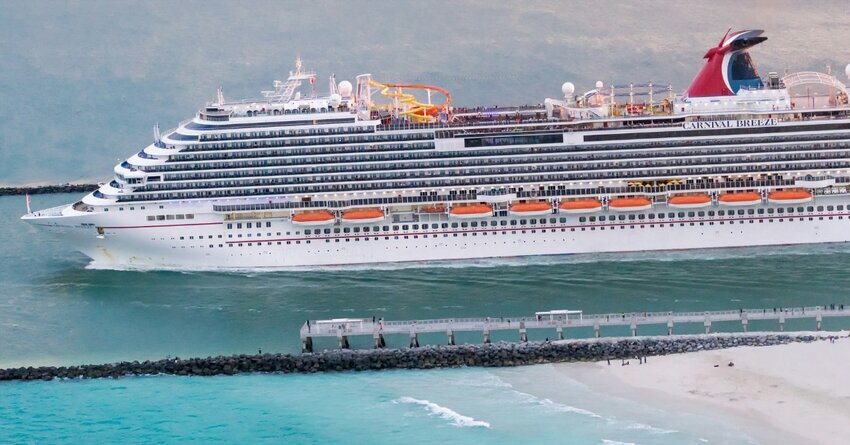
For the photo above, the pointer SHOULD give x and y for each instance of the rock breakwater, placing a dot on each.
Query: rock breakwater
(44, 189)
(484, 355)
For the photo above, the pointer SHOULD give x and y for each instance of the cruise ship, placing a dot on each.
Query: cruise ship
(375, 172)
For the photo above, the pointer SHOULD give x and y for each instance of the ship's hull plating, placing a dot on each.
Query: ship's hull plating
(207, 242)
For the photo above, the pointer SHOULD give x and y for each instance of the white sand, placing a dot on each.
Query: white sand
(794, 393)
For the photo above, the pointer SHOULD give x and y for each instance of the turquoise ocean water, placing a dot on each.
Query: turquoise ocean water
(54, 310)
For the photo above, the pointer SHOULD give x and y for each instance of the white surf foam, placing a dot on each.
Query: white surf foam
(443, 412)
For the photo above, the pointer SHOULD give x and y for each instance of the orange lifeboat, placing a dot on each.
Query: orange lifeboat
(530, 208)
(629, 204)
(314, 218)
(436, 208)
(789, 197)
(689, 201)
(740, 199)
(471, 211)
(361, 216)
(580, 206)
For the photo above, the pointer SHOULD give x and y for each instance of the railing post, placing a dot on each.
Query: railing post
(414, 337)
(379, 339)
(451, 335)
(523, 333)
(670, 327)
(707, 324)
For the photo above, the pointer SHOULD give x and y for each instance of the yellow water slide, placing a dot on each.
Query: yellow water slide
(409, 106)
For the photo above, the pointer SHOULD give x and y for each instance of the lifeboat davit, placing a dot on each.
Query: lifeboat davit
(739, 199)
(530, 209)
(362, 216)
(580, 206)
(629, 204)
(689, 201)
(316, 218)
(789, 197)
(471, 211)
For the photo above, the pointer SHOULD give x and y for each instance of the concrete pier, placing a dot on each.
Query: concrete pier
(553, 321)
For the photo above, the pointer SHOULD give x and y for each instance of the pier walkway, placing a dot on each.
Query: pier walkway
(557, 320)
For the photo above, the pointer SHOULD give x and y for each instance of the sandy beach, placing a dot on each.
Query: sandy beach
(788, 394)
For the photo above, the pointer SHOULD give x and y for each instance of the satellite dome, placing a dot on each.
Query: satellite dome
(847, 70)
(345, 88)
(568, 89)
(599, 85)
(334, 100)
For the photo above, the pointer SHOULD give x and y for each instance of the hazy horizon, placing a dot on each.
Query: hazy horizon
(82, 84)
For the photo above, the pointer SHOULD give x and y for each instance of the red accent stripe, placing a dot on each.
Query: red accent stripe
(513, 229)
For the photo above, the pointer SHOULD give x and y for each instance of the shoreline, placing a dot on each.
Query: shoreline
(789, 393)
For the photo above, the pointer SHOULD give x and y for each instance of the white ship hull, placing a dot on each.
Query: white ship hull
(205, 242)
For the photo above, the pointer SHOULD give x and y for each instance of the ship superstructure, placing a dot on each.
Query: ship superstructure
(386, 172)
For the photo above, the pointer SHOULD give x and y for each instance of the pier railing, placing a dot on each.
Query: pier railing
(344, 328)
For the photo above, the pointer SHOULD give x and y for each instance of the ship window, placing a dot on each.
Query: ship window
(563, 220)
(681, 214)
(830, 208)
(404, 227)
(761, 211)
(416, 227)
(700, 213)
(552, 221)
(622, 217)
(752, 211)
(395, 228)
(741, 211)
(179, 216)
(386, 228)
(513, 222)
(592, 219)
(169, 217)
(582, 219)
(711, 213)
(365, 229)
(641, 216)
(463, 224)
(308, 231)
(454, 225)
(820, 208)
(336, 230)
(533, 221)
(190, 216)
(523, 221)
(247, 225)
(721, 212)
(631, 217)
(840, 207)
(238, 225)
(791, 209)
(121, 209)
(151, 218)
(651, 216)
(504, 222)
(810, 209)
(327, 231)
(445, 225)
(346, 230)
(475, 223)
(780, 210)
(691, 214)
(357, 230)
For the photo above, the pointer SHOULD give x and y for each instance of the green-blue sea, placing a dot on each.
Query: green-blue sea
(55, 310)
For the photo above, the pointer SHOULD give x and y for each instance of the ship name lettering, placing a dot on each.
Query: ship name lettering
(729, 124)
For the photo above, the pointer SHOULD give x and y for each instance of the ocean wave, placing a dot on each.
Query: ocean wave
(443, 412)
(616, 442)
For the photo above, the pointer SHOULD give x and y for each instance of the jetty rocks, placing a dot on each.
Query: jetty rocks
(426, 357)
(45, 189)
